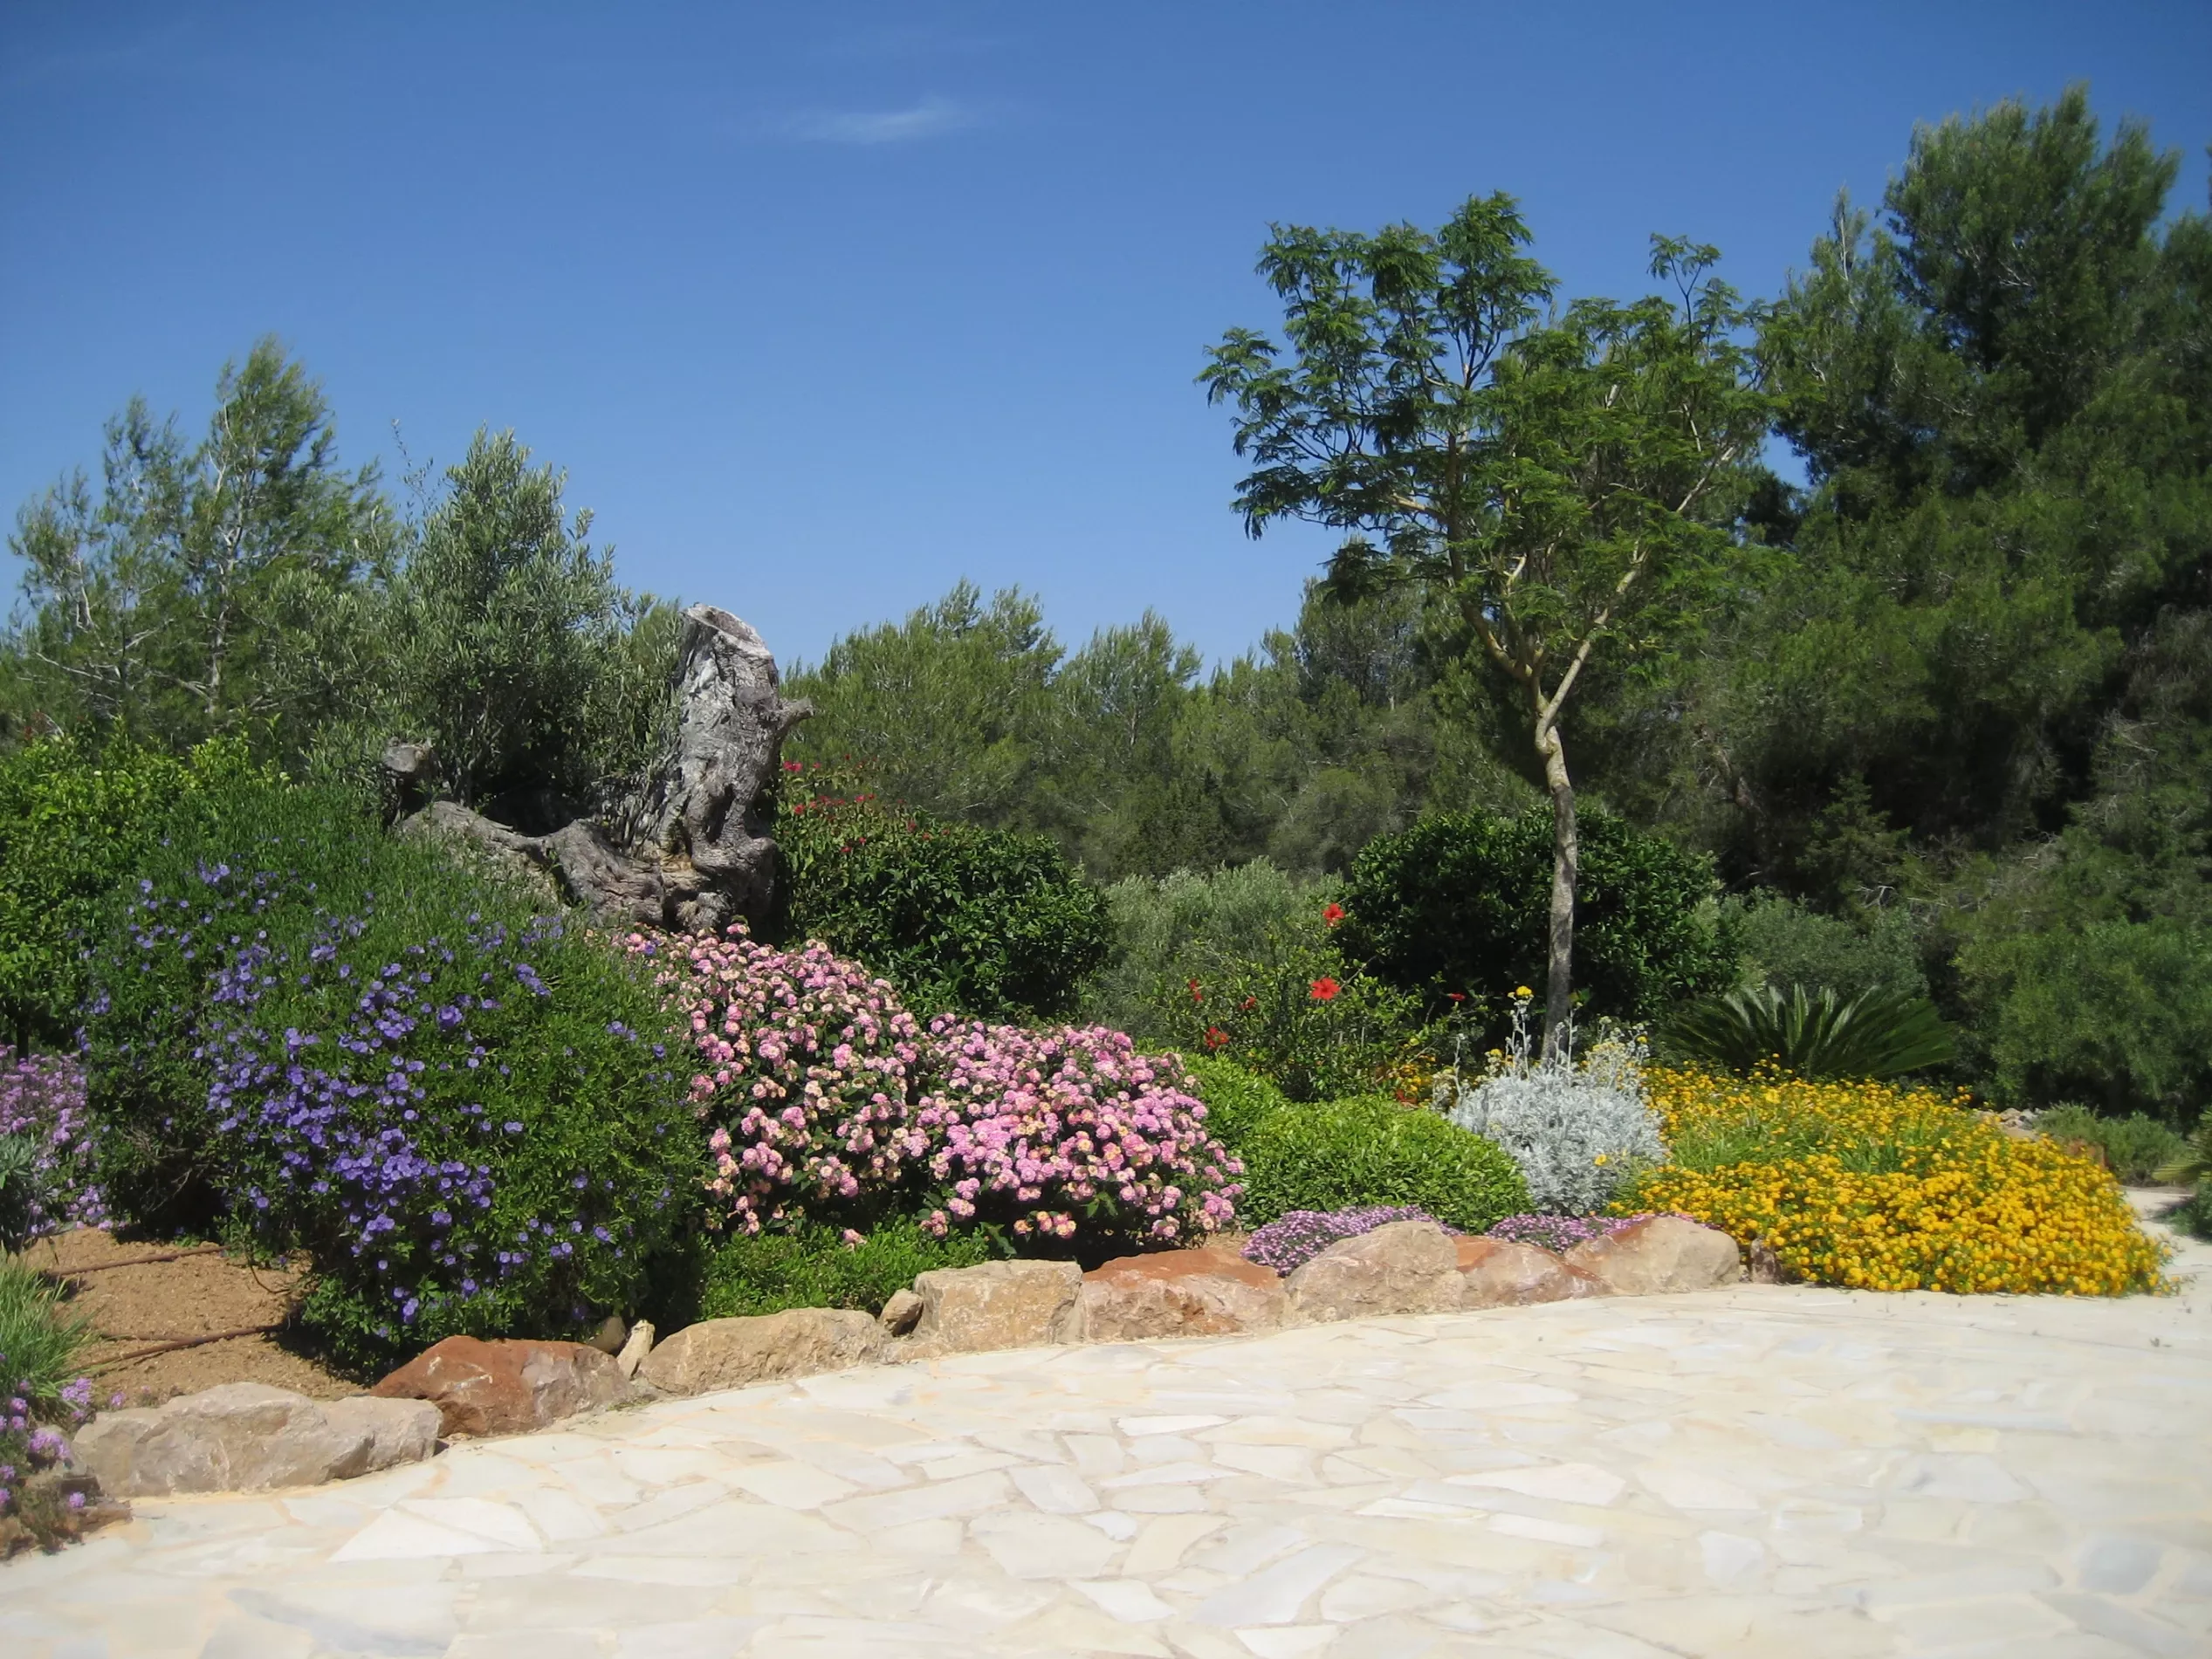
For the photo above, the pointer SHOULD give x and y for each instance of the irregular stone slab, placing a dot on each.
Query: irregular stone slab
(506, 1387)
(248, 1437)
(1181, 1293)
(1406, 1267)
(731, 1353)
(640, 1344)
(999, 1305)
(1666, 1253)
(1501, 1273)
(900, 1312)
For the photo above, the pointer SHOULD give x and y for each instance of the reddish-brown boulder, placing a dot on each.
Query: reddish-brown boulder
(1665, 1253)
(505, 1388)
(1181, 1293)
(1499, 1272)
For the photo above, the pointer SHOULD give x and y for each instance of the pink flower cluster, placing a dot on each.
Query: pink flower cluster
(1033, 1127)
(810, 1067)
(822, 1089)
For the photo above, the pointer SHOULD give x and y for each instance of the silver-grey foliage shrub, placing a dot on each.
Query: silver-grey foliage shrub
(1576, 1127)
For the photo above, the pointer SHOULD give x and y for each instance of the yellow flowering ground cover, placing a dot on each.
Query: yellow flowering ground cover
(1881, 1188)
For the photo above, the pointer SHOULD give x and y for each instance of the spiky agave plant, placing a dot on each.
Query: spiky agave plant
(2195, 1163)
(1817, 1034)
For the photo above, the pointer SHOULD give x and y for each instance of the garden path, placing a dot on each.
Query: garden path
(1756, 1471)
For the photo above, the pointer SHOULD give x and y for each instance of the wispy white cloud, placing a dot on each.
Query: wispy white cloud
(931, 118)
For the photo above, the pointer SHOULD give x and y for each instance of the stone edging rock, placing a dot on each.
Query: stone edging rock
(244, 1436)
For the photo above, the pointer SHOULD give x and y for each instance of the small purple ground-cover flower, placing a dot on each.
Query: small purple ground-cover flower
(29, 1439)
(1560, 1234)
(1295, 1238)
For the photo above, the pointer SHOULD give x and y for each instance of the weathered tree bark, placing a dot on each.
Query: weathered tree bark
(693, 852)
(1566, 877)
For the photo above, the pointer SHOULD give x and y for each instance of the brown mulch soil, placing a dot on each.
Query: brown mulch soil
(135, 1304)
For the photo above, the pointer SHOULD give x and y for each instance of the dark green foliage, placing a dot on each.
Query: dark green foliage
(1785, 943)
(339, 1042)
(1817, 1035)
(1459, 902)
(815, 1267)
(1236, 1100)
(1175, 928)
(74, 822)
(23, 1191)
(1345, 1155)
(990, 923)
(2135, 1148)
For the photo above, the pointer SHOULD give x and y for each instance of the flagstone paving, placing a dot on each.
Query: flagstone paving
(1758, 1471)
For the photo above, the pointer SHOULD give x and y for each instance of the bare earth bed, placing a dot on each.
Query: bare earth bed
(1756, 1470)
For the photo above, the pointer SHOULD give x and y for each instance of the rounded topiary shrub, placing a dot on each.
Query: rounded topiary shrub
(988, 923)
(467, 1115)
(1345, 1155)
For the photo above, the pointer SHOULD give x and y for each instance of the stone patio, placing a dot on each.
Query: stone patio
(1758, 1471)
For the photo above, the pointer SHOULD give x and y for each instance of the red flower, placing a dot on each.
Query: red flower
(1456, 995)
(1332, 915)
(1325, 989)
(1215, 1036)
(1247, 1004)
(1197, 996)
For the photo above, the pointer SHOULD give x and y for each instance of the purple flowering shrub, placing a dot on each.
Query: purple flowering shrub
(1292, 1240)
(469, 1117)
(1045, 1131)
(42, 1100)
(827, 1103)
(1560, 1234)
(40, 1400)
(807, 1069)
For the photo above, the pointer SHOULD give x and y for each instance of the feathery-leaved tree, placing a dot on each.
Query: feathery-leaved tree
(1555, 479)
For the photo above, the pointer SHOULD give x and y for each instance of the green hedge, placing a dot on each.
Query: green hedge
(815, 1267)
(988, 922)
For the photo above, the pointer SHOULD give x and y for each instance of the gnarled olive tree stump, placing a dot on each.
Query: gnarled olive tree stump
(693, 852)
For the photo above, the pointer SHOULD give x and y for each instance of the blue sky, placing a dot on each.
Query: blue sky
(824, 306)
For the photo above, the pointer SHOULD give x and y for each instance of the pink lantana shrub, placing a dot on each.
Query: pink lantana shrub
(1044, 1129)
(828, 1101)
(809, 1072)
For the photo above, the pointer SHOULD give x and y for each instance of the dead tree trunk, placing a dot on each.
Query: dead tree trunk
(693, 852)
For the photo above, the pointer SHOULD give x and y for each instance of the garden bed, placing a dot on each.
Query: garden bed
(140, 1295)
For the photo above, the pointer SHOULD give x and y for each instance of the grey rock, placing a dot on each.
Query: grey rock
(731, 1353)
(1406, 1267)
(1666, 1253)
(248, 1437)
(999, 1305)
(1499, 1272)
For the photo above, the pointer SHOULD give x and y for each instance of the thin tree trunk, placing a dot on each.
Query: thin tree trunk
(1566, 874)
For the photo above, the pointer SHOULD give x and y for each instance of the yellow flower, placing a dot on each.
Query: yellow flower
(1522, 991)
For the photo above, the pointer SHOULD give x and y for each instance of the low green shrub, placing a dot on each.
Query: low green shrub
(988, 923)
(328, 1040)
(40, 1392)
(1235, 1100)
(1349, 1153)
(1875, 1034)
(1461, 902)
(814, 1267)
(2136, 1147)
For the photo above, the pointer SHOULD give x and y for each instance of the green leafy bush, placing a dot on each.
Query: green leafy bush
(1349, 1153)
(1235, 1100)
(1170, 930)
(1461, 902)
(981, 922)
(1876, 1034)
(2136, 1147)
(74, 823)
(331, 1040)
(815, 1266)
(1784, 944)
